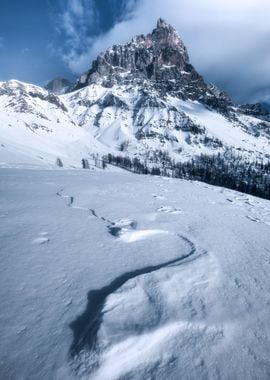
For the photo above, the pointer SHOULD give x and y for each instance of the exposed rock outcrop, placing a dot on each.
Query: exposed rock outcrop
(157, 60)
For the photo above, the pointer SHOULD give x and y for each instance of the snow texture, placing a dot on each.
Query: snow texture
(109, 275)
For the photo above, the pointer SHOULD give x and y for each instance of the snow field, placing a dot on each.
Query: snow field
(113, 275)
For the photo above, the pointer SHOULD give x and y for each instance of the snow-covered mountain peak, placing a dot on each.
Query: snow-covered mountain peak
(157, 63)
(58, 85)
(159, 56)
(27, 98)
(14, 85)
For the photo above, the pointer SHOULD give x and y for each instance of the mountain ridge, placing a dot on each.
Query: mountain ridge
(157, 60)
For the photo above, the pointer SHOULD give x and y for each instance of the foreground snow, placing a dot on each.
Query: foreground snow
(176, 274)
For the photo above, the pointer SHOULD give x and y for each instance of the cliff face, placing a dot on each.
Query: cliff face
(157, 60)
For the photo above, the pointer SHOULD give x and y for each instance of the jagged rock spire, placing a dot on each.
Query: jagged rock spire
(166, 35)
(161, 23)
(157, 60)
(157, 56)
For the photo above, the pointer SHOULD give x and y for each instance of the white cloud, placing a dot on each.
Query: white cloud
(227, 40)
(76, 7)
(74, 21)
(68, 25)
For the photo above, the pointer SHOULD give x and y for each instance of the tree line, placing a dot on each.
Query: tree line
(227, 170)
(233, 173)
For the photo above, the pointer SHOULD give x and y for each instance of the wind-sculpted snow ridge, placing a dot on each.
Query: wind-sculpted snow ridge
(86, 327)
(87, 347)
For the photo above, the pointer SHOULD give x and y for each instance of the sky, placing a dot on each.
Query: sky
(227, 40)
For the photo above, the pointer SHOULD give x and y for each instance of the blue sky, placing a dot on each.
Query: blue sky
(26, 31)
(228, 41)
(35, 40)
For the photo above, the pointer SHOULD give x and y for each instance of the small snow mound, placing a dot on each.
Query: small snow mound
(41, 240)
(132, 236)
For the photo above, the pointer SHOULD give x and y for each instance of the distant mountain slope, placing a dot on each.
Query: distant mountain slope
(58, 86)
(37, 128)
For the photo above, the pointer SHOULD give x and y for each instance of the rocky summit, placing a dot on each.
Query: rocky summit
(157, 60)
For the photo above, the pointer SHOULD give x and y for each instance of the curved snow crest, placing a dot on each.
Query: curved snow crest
(148, 322)
(132, 236)
(137, 305)
(133, 306)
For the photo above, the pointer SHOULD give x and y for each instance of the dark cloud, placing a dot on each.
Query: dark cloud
(80, 23)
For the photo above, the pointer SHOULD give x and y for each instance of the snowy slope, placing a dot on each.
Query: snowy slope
(146, 123)
(37, 127)
(180, 272)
